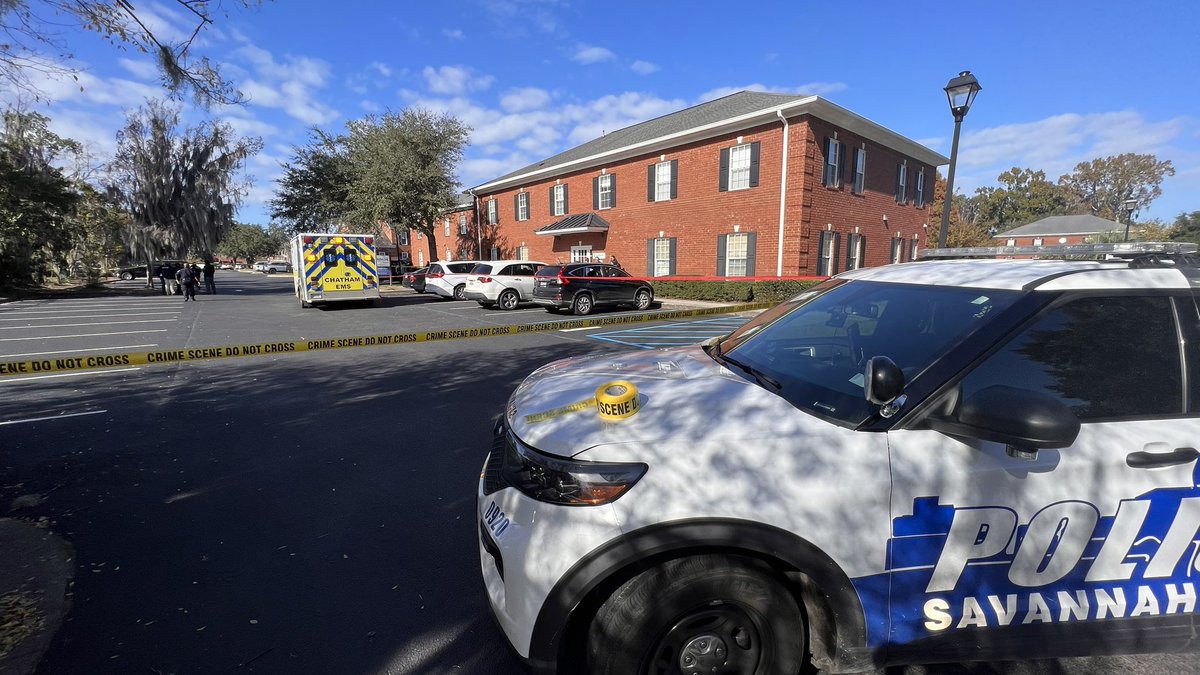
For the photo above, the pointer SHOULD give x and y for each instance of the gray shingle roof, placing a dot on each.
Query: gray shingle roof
(574, 222)
(723, 108)
(1063, 225)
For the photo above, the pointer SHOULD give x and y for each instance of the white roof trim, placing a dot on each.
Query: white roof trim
(812, 105)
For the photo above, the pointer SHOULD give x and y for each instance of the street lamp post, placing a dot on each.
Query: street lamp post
(961, 92)
(1130, 206)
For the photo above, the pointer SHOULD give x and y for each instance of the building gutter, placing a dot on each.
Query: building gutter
(783, 178)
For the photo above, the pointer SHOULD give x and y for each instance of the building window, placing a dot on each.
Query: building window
(522, 206)
(860, 171)
(662, 182)
(735, 255)
(581, 254)
(901, 183)
(739, 167)
(1037, 241)
(462, 223)
(495, 253)
(1011, 242)
(827, 246)
(404, 237)
(491, 212)
(604, 187)
(912, 249)
(919, 190)
(522, 253)
(449, 256)
(662, 257)
(855, 248)
(560, 200)
(897, 250)
(832, 176)
(420, 258)
(447, 227)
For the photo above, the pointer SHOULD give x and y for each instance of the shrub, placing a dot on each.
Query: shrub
(730, 291)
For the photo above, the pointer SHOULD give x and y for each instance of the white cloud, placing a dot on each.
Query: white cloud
(143, 70)
(616, 111)
(589, 55)
(455, 80)
(643, 67)
(369, 106)
(525, 98)
(381, 68)
(810, 88)
(453, 33)
(289, 85)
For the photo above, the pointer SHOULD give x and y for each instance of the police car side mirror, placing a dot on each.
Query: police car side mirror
(884, 380)
(1020, 418)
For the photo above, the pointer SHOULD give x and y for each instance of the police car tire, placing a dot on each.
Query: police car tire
(642, 619)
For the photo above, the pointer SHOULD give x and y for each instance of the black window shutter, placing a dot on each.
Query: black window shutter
(899, 192)
(671, 271)
(837, 252)
(754, 164)
(650, 183)
(862, 250)
(751, 241)
(517, 206)
(566, 198)
(596, 193)
(822, 241)
(721, 240)
(612, 190)
(825, 169)
(674, 178)
(649, 257)
(552, 200)
(723, 179)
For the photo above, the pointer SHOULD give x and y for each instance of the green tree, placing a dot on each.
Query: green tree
(96, 242)
(1024, 195)
(965, 228)
(313, 194)
(180, 185)
(402, 169)
(1187, 227)
(251, 242)
(1102, 186)
(34, 42)
(36, 199)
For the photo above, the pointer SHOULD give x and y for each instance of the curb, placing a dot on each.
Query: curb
(35, 576)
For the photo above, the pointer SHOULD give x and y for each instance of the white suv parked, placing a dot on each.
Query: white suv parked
(504, 283)
(449, 279)
(936, 461)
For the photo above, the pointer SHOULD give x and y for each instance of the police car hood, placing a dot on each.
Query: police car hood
(684, 396)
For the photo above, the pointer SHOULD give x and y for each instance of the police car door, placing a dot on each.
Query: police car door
(1090, 548)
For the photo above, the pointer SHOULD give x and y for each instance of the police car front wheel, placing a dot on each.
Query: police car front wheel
(695, 615)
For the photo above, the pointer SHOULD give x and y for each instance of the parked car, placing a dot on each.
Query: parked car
(273, 266)
(225, 266)
(582, 287)
(504, 283)
(449, 279)
(916, 463)
(415, 279)
(139, 271)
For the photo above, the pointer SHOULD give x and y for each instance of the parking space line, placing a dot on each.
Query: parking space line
(53, 417)
(60, 337)
(97, 323)
(87, 316)
(46, 377)
(74, 351)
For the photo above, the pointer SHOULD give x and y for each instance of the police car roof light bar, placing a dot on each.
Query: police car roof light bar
(1123, 250)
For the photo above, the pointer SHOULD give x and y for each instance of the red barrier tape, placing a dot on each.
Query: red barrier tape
(679, 278)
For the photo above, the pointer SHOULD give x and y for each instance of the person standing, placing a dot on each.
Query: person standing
(209, 270)
(187, 277)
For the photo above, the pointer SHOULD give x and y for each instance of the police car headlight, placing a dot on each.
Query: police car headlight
(568, 482)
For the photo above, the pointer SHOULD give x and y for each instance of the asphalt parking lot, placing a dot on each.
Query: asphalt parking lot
(308, 512)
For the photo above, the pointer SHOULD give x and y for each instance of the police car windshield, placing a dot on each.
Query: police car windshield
(816, 345)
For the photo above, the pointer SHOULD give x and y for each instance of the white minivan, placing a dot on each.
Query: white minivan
(950, 460)
(502, 283)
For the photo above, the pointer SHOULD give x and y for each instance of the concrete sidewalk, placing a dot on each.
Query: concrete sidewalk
(36, 570)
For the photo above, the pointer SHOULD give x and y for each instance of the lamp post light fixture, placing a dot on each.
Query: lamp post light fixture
(960, 92)
(1130, 206)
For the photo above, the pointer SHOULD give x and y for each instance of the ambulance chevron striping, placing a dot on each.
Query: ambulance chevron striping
(91, 362)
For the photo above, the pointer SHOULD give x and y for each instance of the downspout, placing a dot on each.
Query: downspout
(478, 225)
(782, 193)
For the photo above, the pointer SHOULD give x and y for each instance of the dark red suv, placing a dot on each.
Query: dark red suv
(585, 286)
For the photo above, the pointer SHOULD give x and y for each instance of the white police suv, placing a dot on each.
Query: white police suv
(936, 461)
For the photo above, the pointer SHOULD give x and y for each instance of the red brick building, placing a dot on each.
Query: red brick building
(751, 184)
(457, 237)
(1056, 230)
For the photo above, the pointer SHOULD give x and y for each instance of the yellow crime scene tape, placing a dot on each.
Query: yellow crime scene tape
(93, 362)
(614, 401)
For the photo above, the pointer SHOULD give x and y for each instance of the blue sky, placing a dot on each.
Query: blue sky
(1063, 82)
